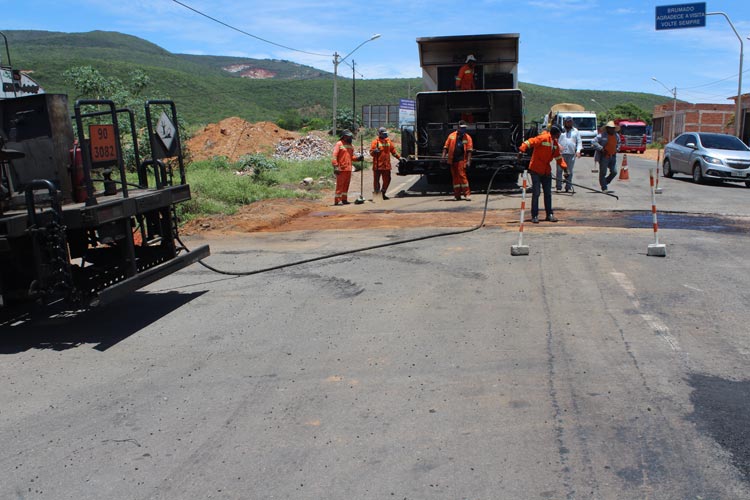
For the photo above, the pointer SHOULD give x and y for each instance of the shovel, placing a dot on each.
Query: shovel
(361, 198)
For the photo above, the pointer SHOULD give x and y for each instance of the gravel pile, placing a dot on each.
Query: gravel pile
(309, 147)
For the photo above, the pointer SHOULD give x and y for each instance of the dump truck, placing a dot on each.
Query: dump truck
(494, 110)
(74, 228)
(583, 120)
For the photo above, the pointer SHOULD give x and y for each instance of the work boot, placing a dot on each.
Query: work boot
(345, 203)
(535, 220)
(386, 197)
(551, 218)
(457, 197)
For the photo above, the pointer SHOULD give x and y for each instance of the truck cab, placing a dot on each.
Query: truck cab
(584, 121)
(493, 111)
(633, 135)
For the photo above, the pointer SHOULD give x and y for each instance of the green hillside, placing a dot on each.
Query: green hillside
(204, 92)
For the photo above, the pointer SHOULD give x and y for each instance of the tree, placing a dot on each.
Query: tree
(630, 111)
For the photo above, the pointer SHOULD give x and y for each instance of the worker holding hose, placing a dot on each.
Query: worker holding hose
(546, 149)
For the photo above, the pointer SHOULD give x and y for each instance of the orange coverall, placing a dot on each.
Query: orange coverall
(381, 162)
(458, 169)
(546, 149)
(465, 78)
(343, 155)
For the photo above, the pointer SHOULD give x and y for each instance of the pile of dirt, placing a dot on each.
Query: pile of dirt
(235, 137)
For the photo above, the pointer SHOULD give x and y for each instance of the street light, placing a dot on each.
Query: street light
(606, 111)
(674, 104)
(336, 61)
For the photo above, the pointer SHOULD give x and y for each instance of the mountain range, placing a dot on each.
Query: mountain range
(209, 88)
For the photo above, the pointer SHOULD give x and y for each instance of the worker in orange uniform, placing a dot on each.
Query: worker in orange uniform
(343, 157)
(457, 151)
(546, 149)
(381, 151)
(465, 76)
(466, 80)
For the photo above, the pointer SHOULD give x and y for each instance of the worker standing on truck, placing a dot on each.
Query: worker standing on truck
(343, 157)
(546, 149)
(606, 144)
(465, 76)
(381, 151)
(570, 146)
(457, 151)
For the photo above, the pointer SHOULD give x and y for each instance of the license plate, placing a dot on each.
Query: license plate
(738, 174)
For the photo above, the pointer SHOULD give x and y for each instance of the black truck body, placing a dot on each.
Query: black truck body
(72, 228)
(494, 110)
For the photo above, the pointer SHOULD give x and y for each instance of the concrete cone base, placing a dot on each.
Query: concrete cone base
(519, 250)
(655, 250)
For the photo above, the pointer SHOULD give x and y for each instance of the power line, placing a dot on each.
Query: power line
(249, 34)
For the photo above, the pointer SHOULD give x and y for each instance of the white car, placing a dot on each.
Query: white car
(703, 156)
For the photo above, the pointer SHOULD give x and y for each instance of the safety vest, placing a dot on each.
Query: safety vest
(450, 145)
(382, 160)
(342, 156)
(546, 149)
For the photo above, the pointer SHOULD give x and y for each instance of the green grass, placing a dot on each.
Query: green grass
(217, 189)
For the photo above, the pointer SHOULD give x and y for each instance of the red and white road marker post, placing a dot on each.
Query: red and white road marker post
(655, 249)
(658, 157)
(521, 249)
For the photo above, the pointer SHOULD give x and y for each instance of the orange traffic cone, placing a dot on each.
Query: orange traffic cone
(624, 174)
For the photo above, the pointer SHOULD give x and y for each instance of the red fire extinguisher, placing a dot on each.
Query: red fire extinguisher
(76, 173)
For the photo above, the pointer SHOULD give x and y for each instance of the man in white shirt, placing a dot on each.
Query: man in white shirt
(570, 146)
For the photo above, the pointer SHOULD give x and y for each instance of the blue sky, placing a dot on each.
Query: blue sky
(594, 44)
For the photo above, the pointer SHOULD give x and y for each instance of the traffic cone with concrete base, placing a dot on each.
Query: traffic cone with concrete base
(624, 174)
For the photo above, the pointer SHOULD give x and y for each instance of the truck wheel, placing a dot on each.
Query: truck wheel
(666, 168)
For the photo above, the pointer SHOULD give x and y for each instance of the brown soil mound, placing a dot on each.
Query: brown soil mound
(235, 137)
(258, 216)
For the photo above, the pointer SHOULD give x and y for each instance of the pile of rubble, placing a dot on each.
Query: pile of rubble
(309, 147)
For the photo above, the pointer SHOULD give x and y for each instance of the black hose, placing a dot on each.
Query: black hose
(357, 250)
(586, 187)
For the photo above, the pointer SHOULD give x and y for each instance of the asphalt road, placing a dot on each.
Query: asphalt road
(444, 368)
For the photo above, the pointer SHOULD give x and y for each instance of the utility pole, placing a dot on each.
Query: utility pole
(737, 124)
(336, 61)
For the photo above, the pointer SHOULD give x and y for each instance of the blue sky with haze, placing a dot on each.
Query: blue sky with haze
(595, 44)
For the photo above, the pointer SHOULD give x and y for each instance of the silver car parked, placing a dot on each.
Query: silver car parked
(705, 156)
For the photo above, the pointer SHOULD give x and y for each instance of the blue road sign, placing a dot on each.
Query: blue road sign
(686, 15)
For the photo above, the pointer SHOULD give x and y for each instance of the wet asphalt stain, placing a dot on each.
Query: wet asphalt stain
(722, 410)
(708, 223)
(667, 220)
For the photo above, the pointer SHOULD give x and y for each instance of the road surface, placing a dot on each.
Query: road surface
(443, 368)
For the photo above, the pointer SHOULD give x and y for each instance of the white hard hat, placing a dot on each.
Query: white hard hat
(470, 57)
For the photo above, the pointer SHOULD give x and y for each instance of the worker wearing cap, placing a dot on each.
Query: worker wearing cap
(570, 147)
(465, 76)
(546, 149)
(381, 151)
(606, 145)
(343, 157)
(457, 152)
